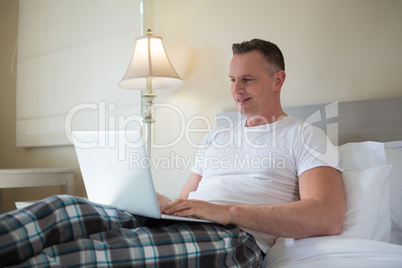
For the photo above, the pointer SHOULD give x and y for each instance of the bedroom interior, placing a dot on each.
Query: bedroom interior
(334, 51)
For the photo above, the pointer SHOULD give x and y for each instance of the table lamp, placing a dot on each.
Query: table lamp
(149, 69)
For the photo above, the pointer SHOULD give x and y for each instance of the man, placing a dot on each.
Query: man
(273, 178)
(257, 74)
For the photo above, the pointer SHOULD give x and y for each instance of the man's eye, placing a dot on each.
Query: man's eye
(247, 80)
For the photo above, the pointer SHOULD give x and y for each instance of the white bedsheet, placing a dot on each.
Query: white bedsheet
(333, 251)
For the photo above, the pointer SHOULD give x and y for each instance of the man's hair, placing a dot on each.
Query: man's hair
(271, 53)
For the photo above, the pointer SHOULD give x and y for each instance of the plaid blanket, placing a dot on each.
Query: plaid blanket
(71, 231)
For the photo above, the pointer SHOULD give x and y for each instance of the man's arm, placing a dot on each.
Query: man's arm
(191, 185)
(320, 211)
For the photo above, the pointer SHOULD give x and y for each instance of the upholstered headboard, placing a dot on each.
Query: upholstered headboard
(349, 121)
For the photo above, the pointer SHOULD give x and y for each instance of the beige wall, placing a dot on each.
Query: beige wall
(334, 50)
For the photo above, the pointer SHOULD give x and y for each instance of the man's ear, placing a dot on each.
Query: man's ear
(280, 77)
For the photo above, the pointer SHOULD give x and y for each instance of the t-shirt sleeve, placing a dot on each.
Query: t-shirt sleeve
(314, 150)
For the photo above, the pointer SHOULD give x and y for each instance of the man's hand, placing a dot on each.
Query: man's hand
(200, 209)
(162, 201)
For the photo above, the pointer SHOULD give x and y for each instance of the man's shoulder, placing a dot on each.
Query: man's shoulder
(302, 126)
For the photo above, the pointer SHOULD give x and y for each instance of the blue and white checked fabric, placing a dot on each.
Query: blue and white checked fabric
(74, 232)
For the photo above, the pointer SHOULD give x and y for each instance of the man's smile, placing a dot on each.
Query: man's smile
(243, 100)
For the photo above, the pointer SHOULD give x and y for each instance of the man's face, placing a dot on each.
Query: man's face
(253, 88)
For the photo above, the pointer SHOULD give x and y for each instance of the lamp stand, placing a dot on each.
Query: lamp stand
(148, 98)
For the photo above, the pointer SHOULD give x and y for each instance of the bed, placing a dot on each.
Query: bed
(369, 136)
(372, 231)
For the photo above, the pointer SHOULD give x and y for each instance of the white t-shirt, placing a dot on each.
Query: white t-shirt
(259, 165)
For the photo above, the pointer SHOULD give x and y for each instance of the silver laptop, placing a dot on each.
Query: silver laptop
(116, 172)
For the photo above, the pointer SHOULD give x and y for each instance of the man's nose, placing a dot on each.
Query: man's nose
(238, 87)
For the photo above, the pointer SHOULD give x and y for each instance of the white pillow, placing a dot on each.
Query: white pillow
(367, 204)
(362, 155)
(393, 152)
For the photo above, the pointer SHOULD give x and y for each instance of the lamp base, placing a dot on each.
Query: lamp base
(148, 99)
(147, 118)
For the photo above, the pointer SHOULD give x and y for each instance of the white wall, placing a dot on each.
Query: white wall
(334, 50)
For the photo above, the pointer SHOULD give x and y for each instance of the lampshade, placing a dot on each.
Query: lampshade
(150, 61)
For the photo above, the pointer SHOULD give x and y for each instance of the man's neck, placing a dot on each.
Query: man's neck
(254, 121)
